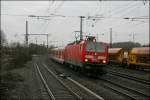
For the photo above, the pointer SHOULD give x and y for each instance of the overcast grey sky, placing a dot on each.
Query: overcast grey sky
(61, 29)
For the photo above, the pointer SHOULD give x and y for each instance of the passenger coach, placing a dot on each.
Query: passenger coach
(57, 55)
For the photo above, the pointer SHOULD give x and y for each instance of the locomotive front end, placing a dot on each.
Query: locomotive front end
(96, 53)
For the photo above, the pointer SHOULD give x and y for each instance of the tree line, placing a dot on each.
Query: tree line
(128, 45)
(20, 54)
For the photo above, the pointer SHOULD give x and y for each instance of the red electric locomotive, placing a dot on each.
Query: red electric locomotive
(86, 55)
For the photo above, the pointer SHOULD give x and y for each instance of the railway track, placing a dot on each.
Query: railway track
(48, 91)
(41, 92)
(124, 90)
(129, 77)
(60, 88)
(81, 91)
(89, 82)
(60, 92)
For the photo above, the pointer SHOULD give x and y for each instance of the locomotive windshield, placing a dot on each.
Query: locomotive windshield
(95, 47)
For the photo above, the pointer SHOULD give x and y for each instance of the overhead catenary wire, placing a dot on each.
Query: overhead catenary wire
(120, 10)
(22, 15)
(118, 20)
(128, 7)
(52, 14)
(42, 17)
(44, 25)
(56, 9)
(46, 21)
(97, 13)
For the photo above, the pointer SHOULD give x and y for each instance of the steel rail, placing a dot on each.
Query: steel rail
(130, 77)
(122, 93)
(73, 93)
(86, 89)
(45, 84)
(128, 89)
(78, 84)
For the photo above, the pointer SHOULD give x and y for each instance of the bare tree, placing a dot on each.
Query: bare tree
(2, 37)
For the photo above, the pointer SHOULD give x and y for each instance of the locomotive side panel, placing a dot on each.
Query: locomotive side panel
(73, 54)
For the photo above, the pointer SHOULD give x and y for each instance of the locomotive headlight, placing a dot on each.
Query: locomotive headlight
(104, 61)
(85, 60)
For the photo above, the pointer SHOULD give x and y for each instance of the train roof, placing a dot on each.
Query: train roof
(114, 50)
(86, 41)
(140, 50)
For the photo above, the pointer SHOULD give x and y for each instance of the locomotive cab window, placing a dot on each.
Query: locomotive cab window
(95, 47)
(100, 48)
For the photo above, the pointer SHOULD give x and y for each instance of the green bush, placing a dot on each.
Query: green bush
(20, 55)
